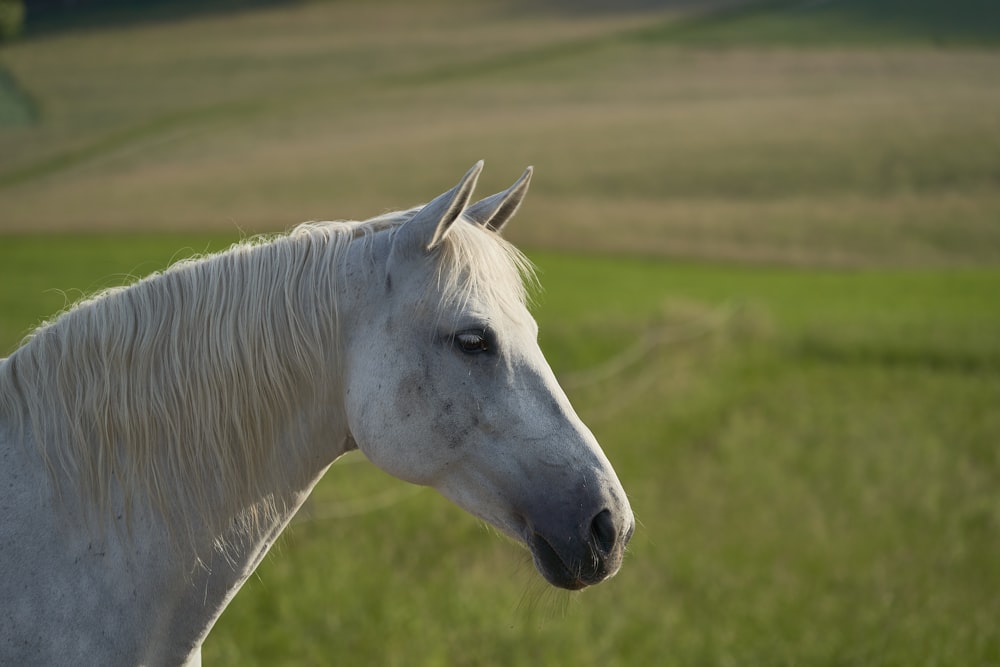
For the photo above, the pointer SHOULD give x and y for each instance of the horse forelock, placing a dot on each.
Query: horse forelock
(476, 266)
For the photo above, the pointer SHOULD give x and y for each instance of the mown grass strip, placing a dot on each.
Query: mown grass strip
(118, 139)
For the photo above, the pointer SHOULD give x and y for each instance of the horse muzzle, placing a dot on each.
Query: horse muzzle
(586, 556)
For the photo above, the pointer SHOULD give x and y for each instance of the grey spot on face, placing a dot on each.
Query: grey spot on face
(460, 434)
(410, 395)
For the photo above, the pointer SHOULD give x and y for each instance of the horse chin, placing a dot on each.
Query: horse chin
(556, 571)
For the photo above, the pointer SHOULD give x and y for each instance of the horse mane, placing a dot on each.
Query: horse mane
(179, 386)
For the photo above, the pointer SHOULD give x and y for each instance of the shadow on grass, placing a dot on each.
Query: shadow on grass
(841, 22)
(957, 19)
(48, 17)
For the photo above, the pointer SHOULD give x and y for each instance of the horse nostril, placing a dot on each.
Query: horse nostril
(602, 528)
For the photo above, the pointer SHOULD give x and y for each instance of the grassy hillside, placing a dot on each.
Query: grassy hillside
(646, 139)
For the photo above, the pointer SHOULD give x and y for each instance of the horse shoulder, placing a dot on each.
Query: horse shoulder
(63, 593)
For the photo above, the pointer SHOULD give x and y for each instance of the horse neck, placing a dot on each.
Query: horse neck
(208, 392)
(116, 399)
(281, 423)
(316, 438)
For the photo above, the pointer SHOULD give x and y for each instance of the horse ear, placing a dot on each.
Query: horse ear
(431, 223)
(494, 212)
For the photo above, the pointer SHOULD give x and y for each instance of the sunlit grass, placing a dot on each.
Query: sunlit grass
(810, 455)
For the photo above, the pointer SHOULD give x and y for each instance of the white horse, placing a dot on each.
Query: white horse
(156, 439)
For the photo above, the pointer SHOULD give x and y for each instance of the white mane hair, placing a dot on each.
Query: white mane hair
(180, 386)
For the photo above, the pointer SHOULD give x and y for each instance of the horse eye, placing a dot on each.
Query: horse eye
(472, 342)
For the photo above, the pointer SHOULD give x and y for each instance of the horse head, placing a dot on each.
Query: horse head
(446, 386)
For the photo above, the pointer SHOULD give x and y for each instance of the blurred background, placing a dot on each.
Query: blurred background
(768, 235)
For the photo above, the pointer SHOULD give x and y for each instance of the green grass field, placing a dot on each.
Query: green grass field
(769, 242)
